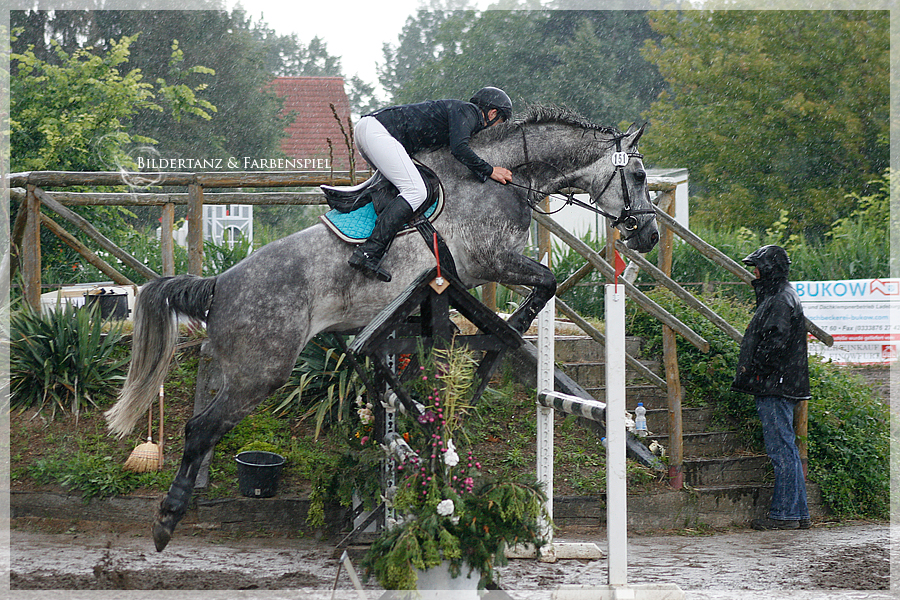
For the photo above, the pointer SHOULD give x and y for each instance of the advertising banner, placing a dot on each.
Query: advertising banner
(861, 315)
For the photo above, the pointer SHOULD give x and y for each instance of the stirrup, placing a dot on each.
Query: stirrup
(369, 267)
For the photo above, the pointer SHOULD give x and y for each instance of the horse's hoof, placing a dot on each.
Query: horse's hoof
(161, 536)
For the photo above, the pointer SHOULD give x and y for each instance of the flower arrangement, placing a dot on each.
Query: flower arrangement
(446, 509)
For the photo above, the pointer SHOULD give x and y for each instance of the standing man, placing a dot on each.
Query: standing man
(389, 137)
(773, 366)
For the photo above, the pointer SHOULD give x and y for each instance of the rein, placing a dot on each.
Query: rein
(620, 160)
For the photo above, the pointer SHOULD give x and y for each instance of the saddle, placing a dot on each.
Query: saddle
(379, 191)
(354, 209)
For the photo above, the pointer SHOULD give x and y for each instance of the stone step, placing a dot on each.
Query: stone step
(649, 511)
(704, 445)
(693, 420)
(729, 470)
(691, 508)
(649, 394)
(593, 374)
(576, 348)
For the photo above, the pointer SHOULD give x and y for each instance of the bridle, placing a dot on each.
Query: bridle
(628, 217)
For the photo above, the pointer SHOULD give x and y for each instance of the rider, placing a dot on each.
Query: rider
(387, 138)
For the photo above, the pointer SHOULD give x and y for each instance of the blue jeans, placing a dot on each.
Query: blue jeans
(789, 496)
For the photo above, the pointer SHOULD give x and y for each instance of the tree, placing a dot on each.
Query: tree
(77, 115)
(245, 56)
(586, 60)
(772, 110)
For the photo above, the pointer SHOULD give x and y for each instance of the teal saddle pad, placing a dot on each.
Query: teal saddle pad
(356, 226)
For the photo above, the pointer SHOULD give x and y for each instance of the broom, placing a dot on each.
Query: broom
(148, 456)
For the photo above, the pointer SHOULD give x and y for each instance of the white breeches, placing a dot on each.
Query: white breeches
(386, 154)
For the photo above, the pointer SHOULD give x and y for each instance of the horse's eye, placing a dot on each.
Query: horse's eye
(640, 175)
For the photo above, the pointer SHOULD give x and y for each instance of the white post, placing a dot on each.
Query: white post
(616, 490)
(546, 364)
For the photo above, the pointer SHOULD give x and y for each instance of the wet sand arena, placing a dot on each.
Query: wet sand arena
(841, 562)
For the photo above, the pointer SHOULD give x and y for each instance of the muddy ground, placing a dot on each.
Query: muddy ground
(840, 561)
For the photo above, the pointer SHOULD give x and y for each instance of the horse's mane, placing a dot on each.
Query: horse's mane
(536, 114)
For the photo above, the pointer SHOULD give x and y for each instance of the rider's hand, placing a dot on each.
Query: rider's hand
(501, 175)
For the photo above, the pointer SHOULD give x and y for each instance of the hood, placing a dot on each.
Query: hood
(772, 262)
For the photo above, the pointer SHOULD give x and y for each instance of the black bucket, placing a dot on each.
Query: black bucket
(113, 305)
(258, 473)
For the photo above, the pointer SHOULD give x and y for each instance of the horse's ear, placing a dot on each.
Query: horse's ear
(635, 131)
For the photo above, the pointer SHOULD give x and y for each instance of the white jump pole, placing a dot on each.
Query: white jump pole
(617, 587)
(546, 367)
(616, 488)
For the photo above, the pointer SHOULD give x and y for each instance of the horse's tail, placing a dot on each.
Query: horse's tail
(157, 307)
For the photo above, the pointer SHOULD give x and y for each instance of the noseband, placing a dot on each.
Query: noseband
(627, 219)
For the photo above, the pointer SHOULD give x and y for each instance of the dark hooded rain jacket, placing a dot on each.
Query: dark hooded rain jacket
(773, 359)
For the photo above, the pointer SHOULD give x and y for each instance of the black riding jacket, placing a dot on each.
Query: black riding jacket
(773, 359)
(435, 124)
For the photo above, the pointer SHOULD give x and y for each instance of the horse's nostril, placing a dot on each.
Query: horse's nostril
(654, 238)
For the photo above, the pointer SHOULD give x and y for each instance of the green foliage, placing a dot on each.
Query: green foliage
(588, 60)
(771, 110)
(849, 444)
(706, 377)
(257, 446)
(261, 427)
(54, 120)
(94, 475)
(218, 258)
(63, 359)
(447, 512)
(323, 383)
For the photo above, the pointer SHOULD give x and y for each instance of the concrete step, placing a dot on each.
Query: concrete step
(593, 374)
(729, 470)
(575, 348)
(704, 445)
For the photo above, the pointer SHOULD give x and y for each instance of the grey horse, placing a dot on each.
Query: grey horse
(260, 313)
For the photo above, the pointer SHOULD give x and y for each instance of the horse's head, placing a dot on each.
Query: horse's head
(618, 186)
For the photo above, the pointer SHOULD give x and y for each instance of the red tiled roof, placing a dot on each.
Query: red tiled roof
(309, 98)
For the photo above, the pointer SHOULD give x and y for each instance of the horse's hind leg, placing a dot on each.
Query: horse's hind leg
(202, 432)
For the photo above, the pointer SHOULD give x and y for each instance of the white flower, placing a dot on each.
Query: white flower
(445, 507)
(365, 414)
(451, 458)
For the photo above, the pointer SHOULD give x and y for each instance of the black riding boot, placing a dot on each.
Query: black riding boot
(368, 255)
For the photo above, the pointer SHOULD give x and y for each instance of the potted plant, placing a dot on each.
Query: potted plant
(448, 515)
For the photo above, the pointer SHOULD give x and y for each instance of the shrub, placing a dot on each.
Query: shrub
(63, 358)
(322, 384)
(94, 475)
(849, 443)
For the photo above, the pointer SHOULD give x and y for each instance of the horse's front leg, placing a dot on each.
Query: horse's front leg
(522, 270)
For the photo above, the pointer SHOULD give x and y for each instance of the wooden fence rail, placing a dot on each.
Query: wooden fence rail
(147, 189)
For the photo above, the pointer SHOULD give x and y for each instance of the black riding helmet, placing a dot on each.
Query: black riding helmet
(772, 261)
(490, 97)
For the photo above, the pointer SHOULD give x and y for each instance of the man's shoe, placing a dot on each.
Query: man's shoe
(805, 523)
(770, 524)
